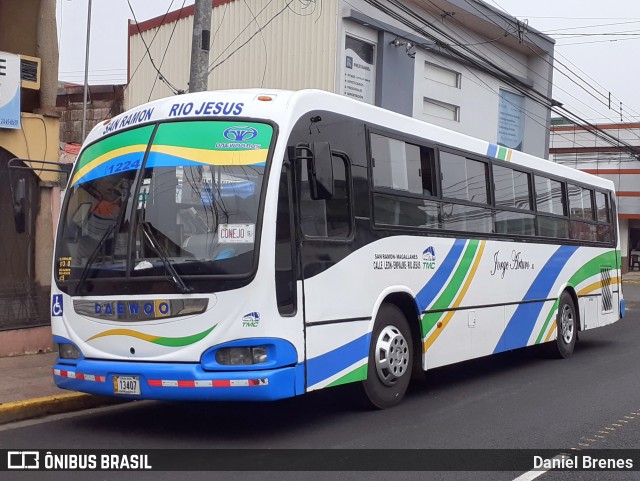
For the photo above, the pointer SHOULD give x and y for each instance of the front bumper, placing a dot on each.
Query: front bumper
(178, 381)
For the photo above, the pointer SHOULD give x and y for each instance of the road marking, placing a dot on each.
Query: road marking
(534, 473)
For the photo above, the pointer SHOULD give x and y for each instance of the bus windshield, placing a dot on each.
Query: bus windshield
(173, 200)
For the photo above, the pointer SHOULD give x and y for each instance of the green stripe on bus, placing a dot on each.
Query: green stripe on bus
(358, 374)
(139, 136)
(448, 295)
(206, 134)
(502, 153)
(588, 270)
(182, 341)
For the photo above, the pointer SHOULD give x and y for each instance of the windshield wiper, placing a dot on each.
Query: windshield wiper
(153, 240)
(92, 258)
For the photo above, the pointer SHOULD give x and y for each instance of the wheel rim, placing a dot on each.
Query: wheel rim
(566, 324)
(392, 355)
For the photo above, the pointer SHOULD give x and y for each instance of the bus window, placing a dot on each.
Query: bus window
(402, 166)
(326, 217)
(463, 178)
(602, 209)
(549, 196)
(284, 256)
(511, 188)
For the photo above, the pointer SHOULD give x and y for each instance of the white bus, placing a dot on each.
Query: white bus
(256, 245)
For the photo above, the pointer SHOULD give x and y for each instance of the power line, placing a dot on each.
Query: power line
(175, 24)
(160, 75)
(117, 99)
(287, 6)
(567, 112)
(589, 26)
(597, 41)
(264, 43)
(212, 67)
(480, 82)
(490, 67)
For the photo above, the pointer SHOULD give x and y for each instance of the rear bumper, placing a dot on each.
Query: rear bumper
(177, 381)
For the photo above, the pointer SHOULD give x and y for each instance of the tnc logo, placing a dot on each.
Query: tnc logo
(23, 460)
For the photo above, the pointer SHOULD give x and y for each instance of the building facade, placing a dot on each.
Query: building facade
(578, 147)
(29, 194)
(461, 64)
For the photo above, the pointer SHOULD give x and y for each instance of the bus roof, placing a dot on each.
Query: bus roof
(285, 107)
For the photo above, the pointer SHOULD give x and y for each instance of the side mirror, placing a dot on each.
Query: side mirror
(320, 170)
(19, 196)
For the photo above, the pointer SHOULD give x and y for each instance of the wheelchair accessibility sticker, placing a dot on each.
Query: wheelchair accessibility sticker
(56, 305)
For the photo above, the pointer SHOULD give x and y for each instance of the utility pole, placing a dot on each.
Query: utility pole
(86, 74)
(198, 74)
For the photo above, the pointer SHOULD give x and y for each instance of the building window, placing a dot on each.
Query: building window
(440, 109)
(442, 75)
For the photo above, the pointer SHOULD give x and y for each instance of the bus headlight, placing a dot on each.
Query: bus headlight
(68, 351)
(241, 356)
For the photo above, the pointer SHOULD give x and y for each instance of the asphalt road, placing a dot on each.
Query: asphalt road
(514, 400)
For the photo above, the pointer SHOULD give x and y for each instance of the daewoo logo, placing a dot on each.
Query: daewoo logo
(149, 308)
(139, 310)
(240, 134)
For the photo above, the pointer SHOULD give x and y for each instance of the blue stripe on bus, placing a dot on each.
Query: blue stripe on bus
(428, 293)
(160, 159)
(122, 163)
(492, 150)
(328, 364)
(521, 324)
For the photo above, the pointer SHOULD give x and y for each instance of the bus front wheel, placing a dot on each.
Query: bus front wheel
(390, 359)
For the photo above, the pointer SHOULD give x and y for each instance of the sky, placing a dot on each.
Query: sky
(591, 62)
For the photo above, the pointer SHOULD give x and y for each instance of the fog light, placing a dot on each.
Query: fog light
(241, 356)
(68, 351)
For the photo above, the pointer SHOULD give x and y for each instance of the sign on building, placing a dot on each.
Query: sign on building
(511, 120)
(359, 71)
(9, 91)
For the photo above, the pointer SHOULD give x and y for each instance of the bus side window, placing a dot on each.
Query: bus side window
(284, 255)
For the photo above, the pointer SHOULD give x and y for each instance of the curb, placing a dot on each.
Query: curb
(43, 406)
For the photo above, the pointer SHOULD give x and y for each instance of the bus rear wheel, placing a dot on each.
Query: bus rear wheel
(390, 359)
(566, 327)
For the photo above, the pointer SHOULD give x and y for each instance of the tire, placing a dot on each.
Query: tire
(566, 328)
(390, 359)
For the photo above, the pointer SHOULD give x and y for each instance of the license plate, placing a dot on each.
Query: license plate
(126, 385)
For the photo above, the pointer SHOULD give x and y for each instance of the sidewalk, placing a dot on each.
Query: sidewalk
(27, 389)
